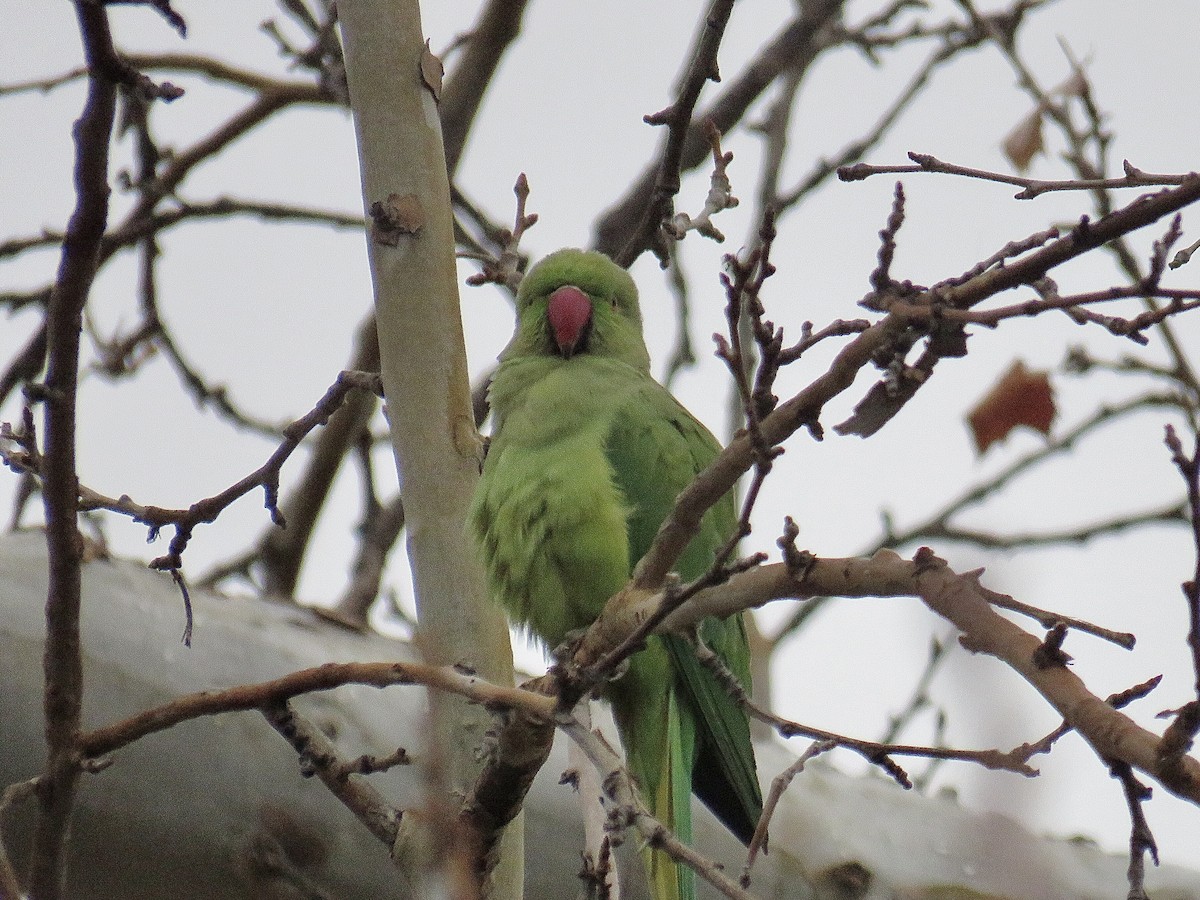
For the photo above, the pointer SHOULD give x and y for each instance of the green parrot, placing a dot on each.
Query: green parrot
(587, 456)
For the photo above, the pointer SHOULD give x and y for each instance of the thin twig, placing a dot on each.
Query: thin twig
(319, 756)
(505, 268)
(1031, 187)
(919, 699)
(779, 785)
(266, 476)
(878, 753)
(626, 808)
(1141, 839)
(490, 37)
(1096, 139)
(1189, 468)
(938, 524)
(794, 47)
(677, 117)
(62, 661)
(110, 738)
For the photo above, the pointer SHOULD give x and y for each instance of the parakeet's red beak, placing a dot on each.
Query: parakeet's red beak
(570, 315)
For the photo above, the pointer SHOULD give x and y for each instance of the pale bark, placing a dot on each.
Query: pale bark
(438, 451)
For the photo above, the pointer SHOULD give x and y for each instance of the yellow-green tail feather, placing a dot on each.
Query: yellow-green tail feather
(671, 804)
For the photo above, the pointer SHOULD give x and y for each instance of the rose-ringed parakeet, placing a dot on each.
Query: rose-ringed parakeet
(587, 456)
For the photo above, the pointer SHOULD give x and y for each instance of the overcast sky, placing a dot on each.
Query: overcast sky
(270, 312)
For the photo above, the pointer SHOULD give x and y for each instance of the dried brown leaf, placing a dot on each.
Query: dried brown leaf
(1021, 397)
(1075, 86)
(1025, 141)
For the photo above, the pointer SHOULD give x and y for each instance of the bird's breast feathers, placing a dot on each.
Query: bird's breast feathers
(548, 517)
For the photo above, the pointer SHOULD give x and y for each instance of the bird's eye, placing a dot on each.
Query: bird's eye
(614, 302)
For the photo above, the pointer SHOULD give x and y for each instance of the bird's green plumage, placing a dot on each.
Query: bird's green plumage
(588, 454)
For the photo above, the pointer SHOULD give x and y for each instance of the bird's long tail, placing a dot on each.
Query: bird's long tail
(672, 805)
(659, 738)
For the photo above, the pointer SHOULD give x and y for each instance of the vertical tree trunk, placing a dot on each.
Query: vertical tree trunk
(393, 83)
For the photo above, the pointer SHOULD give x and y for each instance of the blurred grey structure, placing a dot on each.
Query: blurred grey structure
(217, 807)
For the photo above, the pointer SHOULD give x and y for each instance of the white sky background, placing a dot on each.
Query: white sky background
(270, 311)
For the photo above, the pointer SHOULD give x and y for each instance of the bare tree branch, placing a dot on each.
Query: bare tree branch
(498, 25)
(110, 738)
(62, 664)
(1031, 187)
(794, 48)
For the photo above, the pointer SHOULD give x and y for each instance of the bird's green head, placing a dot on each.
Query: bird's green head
(578, 302)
